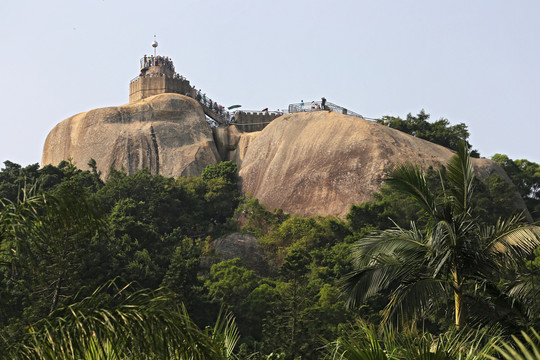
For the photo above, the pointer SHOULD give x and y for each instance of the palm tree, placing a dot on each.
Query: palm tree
(454, 253)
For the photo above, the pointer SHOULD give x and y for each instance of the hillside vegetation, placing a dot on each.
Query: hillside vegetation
(122, 258)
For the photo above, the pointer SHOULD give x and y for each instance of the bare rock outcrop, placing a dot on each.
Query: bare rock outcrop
(166, 133)
(320, 163)
(316, 163)
(243, 246)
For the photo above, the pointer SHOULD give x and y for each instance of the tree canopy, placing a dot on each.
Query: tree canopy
(65, 233)
(438, 132)
(452, 256)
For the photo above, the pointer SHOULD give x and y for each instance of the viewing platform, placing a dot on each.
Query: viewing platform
(321, 106)
(157, 76)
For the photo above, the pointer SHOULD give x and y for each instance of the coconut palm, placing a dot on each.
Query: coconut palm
(452, 254)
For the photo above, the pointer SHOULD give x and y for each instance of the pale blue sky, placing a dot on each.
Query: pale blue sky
(476, 62)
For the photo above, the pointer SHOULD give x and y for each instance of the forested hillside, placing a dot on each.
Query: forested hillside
(320, 289)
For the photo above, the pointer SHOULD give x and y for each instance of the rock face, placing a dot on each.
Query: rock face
(320, 163)
(243, 246)
(166, 133)
(316, 163)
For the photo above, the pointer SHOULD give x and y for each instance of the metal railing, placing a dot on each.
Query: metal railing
(175, 77)
(318, 106)
(260, 112)
(149, 61)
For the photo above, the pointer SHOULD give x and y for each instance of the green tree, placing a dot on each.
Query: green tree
(226, 170)
(494, 198)
(439, 132)
(454, 255)
(121, 323)
(53, 247)
(230, 283)
(525, 285)
(217, 194)
(181, 276)
(525, 175)
(255, 219)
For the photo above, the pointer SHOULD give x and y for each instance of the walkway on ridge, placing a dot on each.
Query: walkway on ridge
(250, 120)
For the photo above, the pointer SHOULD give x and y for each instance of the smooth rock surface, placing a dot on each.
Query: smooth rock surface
(308, 164)
(320, 163)
(166, 133)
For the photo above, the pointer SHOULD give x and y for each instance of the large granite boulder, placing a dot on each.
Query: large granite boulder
(166, 133)
(320, 163)
(316, 163)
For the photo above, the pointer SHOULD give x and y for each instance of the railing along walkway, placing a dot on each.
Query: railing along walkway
(318, 106)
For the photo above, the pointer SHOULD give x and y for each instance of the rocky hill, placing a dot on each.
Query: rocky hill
(321, 162)
(166, 133)
(305, 163)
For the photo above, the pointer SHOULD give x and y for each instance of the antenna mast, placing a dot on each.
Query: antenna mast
(155, 45)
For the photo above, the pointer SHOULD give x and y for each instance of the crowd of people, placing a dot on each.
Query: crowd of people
(212, 105)
(149, 61)
(160, 74)
(314, 106)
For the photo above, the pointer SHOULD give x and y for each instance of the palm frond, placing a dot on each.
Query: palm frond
(461, 176)
(128, 324)
(392, 241)
(382, 258)
(413, 298)
(511, 237)
(365, 341)
(410, 180)
(362, 343)
(225, 333)
(519, 350)
(526, 289)
(360, 285)
(468, 344)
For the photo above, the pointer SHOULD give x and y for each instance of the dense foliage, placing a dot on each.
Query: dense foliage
(455, 258)
(65, 233)
(438, 132)
(525, 175)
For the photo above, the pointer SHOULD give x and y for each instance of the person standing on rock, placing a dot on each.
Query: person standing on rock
(323, 103)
